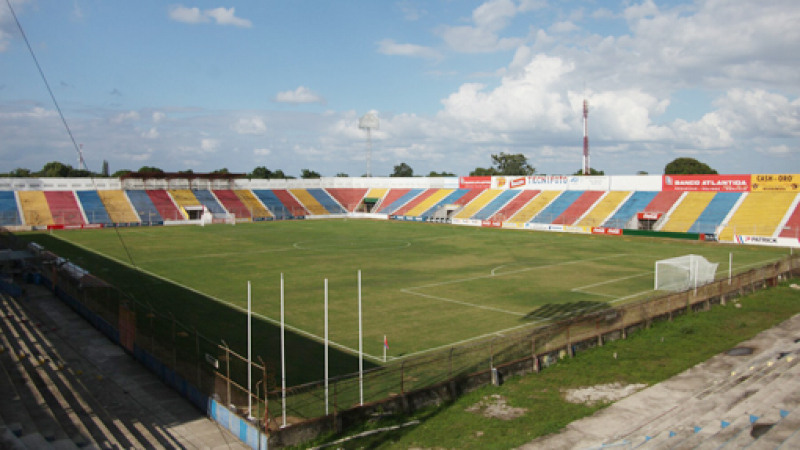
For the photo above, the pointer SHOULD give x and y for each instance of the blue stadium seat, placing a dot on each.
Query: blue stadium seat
(9, 213)
(450, 199)
(559, 205)
(273, 203)
(327, 201)
(207, 199)
(715, 212)
(495, 205)
(144, 206)
(390, 208)
(636, 203)
(93, 207)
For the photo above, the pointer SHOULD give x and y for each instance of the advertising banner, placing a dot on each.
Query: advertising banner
(492, 223)
(589, 183)
(475, 182)
(604, 230)
(714, 183)
(764, 240)
(540, 182)
(649, 215)
(772, 183)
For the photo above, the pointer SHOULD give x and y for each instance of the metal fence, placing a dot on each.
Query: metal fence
(212, 368)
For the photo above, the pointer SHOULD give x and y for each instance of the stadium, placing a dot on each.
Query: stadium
(286, 309)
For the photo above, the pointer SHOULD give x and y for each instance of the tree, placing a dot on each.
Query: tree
(55, 169)
(484, 172)
(223, 171)
(342, 175)
(688, 166)
(20, 173)
(516, 164)
(187, 171)
(306, 174)
(261, 172)
(104, 171)
(434, 174)
(80, 173)
(642, 172)
(121, 173)
(592, 171)
(148, 169)
(278, 174)
(402, 170)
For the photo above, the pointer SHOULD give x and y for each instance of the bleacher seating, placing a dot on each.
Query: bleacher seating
(274, 199)
(165, 205)
(429, 202)
(35, 208)
(396, 198)
(64, 207)
(119, 207)
(514, 205)
(290, 203)
(533, 207)
(635, 204)
(411, 204)
(498, 202)
(663, 202)
(9, 213)
(184, 198)
(451, 199)
(327, 201)
(716, 211)
(687, 212)
(142, 203)
(478, 203)
(578, 208)
(759, 214)
(254, 206)
(350, 198)
(207, 199)
(309, 202)
(232, 203)
(93, 207)
(604, 208)
(557, 207)
(791, 229)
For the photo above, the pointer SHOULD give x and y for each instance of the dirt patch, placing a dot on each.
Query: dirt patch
(601, 393)
(496, 407)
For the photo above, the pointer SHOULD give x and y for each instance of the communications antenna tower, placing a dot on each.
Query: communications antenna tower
(585, 136)
(369, 122)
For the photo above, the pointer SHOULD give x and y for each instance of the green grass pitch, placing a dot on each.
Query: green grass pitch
(425, 286)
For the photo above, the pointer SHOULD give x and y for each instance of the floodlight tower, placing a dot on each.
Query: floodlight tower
(585, 137)
(369, 122)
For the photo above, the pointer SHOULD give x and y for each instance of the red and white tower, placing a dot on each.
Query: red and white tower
(585, 137)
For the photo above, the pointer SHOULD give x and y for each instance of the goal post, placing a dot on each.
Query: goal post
(683, 272)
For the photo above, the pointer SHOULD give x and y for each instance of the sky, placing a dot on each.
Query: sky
(205, 85)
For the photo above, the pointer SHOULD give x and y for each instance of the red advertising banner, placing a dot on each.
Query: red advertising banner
(474, 182)
(714, 183)
(492, 223)
(75, 227)
(603, 230)
(649, 215)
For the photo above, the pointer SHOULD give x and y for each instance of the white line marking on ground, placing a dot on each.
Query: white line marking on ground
(268, 319)
(462, 303)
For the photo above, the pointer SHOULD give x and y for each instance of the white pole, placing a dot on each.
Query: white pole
(384, 348)
(283, 359)
(360, 344)
(249, 355)
(326, 346)
(730, 267)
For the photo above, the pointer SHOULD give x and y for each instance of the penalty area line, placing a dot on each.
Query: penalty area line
(210, 297)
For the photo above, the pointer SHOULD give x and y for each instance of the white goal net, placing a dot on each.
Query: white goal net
(684, 272)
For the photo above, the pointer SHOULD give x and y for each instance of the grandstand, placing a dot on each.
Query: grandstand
(93, 207)
(422, 198)
(451, 199)
(557, 207)
(165, 205)
(119, 208)
(253, 205)
(429, 202)
(350, 198)
(210, 201)
(578, 208)
(396, 198)
(480, 202)
(9, 212)
(64, 208)
(142, 203)
(687, 211)
(635, 203)
(232, 203)
(309, 202)
(604, 209)
(514, 205)
(327, 201)
(715, 213)
(791, 229)
(35, 209)
(533, 208)
(759, 214)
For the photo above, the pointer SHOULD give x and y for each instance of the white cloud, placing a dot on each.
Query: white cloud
(563, 27)
(389, 47)
(262, 152)
(489, 19)
(221, 16)
(250, 125)
(152, 133)
(300, 95)
(125, 117)
(209, 145)
(158, 116)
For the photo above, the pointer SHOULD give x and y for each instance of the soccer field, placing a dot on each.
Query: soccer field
(425, 287)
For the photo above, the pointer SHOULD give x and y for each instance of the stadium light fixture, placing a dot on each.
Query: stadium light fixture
(369, 122)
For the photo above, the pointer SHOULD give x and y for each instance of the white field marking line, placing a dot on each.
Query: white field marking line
(298, 246)
(631, 296)
(462, 303)
(218, 255)
(527, 269)
(464, 341)
(244, 310)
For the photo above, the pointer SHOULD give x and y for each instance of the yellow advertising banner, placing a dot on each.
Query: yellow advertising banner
(775, 183)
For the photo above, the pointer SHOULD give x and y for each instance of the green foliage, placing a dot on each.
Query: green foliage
(342, 175)
(121, 173)
(435, 174)
(402, 170)
(18, 173)
(307, 174)
(592, 171)
(688, 166)
(55, 169)
(104, 172)
(484, 172)
(512, 164)
(261, 172)
(149, 169)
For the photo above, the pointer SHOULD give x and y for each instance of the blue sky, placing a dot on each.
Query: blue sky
(203, 85)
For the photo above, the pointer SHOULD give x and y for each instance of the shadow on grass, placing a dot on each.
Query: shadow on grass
(214, 320)
(557, 311)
